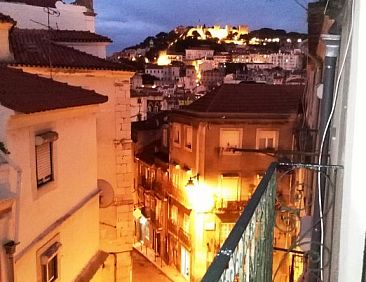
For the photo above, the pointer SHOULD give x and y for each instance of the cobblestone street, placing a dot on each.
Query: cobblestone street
(143, 270)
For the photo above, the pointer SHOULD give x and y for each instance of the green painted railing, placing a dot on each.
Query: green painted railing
(246, 255)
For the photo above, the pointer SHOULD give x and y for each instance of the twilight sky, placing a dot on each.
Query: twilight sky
(128, 22)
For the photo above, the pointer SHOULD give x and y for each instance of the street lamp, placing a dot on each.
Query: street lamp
(190, 183)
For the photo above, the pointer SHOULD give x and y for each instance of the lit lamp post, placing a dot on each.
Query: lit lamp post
(200, 197)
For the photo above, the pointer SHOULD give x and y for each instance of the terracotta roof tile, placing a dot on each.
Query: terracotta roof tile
(39, 48)
(250, 99)
(36, 94)
(40, 3)
(70, 35)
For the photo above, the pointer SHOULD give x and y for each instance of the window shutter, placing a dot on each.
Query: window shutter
(44, 163)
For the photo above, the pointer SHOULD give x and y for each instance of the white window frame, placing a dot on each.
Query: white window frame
(224, 147)
(267, 133)
(49, 254)
(177, 128)
(188, 145)
(44, 145)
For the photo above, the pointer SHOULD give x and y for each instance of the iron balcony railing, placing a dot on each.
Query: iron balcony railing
(246, 255)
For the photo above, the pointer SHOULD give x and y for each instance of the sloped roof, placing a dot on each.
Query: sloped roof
(70, 35)
(250, 99)
(37, 94)
(6, 19)
(39, 3)
(39, 48)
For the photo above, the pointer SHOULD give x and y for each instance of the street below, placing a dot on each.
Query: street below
(143, 270)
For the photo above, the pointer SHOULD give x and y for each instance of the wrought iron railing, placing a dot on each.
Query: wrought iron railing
(184, 237)
(246, 255)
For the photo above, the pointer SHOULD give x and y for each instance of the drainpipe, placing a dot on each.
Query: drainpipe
(332, 43)
(10, 246)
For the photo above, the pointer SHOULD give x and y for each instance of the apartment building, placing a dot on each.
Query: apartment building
(195, 197)
(75, 57)
(48, 174)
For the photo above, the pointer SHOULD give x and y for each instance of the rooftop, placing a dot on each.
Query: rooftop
(249, 99)
(39, 48)
(39, 3)
(37, 94)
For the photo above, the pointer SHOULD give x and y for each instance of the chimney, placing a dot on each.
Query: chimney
(6, 24)
(86, 3)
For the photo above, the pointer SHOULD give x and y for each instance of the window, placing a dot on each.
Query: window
(44, 157)
(49, 262)
(230, 138)
(230, 187)
(267, 139)
(174, 214)
(164, 141)
(188, 137)
(176, 134)
(186, 223)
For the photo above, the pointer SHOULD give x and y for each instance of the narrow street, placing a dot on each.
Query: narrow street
(143, 270)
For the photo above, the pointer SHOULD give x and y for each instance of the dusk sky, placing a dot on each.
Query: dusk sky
(129, 22)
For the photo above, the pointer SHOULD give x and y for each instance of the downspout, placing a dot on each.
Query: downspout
(10, 247)
(332, 43)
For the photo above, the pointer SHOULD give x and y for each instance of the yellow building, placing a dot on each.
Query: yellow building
(209, 182)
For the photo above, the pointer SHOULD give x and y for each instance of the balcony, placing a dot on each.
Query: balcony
(177, 194)
(158, 188)
(230, 206)
(184, 237)
(172, 227)
(145, 183)
(246, 255)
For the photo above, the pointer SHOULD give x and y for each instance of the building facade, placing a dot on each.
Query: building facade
(49, 151)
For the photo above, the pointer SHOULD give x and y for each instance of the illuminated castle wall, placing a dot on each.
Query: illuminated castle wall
(218, 31)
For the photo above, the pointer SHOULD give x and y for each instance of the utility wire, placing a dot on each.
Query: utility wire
(324, 138)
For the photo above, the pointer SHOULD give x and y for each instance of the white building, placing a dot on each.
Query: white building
(196, 53)
(286, 61)
(32, 53)
(49, 199)
(166, 74)
(53, 13)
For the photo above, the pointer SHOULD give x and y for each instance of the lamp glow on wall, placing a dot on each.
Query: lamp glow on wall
(200, 197)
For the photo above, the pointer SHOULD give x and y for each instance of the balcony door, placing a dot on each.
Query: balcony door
(185, 263)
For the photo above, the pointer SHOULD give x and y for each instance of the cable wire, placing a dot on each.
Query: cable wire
(324, 138)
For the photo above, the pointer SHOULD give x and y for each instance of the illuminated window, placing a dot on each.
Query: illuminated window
(186, 223)
(44, 157)
(188, 137)
(176, 134)
(230, 187)
(267, 139)
(174, 214)
(230, 138)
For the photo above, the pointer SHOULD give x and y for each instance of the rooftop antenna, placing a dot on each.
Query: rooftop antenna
(50, 12)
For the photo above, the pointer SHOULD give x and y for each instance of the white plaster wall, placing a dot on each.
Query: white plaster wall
(74, 165)
(71, 16)
(98, 49)
(114, 154)
(353, 215)
(79, 236)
